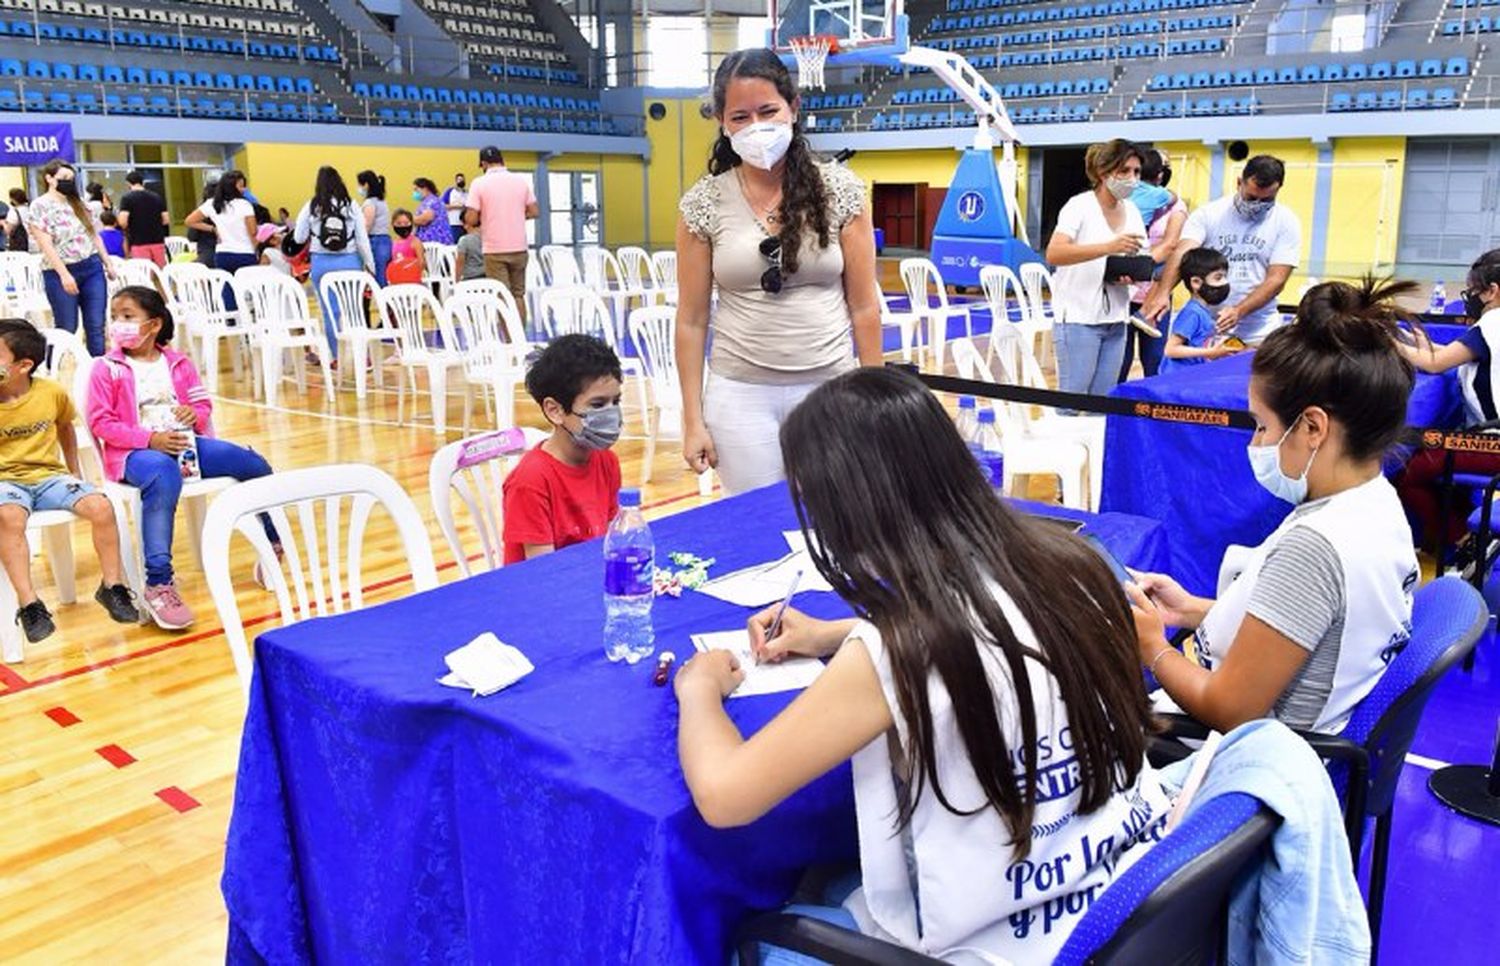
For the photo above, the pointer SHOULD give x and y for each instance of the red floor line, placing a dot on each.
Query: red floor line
(178, 799)
(115, 755)
(16, 684)
(62, 716)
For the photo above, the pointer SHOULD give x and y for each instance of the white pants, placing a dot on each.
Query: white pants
(744, 419)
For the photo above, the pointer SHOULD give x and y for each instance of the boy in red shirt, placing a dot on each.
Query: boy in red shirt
(567, 489)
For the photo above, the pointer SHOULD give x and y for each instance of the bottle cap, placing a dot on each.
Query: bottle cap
(965, 402)
(630, 496)
(986, 416)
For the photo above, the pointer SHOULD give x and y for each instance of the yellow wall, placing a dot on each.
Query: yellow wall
(1365, 204)
(680, 143)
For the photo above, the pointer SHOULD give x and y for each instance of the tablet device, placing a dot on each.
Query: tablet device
(1115, 567)
(1139, 267)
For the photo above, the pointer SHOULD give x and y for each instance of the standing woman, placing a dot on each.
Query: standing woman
(99, 202)
(1091, 310)
(76, 266)
(431, 220)
(231, 219)
(1164, 219)
(377, 220)
(788, 241)
(335, 229)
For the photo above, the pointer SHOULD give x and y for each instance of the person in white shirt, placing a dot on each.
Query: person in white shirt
(231, 219)
(990, 698)
(455, 199)
(1315, 614)
(1092, 310)
(1262, 240)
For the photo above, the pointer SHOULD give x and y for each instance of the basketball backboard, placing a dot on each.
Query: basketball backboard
(864, 31)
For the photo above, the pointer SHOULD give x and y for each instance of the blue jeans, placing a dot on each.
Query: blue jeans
(59, 492)
(322, 264)
(835, 893)
(92, 300)
(380, 247)
(232, 262)
(156, 475)
(1088, 356)
(1152, 350)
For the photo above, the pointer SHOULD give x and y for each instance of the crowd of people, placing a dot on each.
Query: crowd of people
(966, 671)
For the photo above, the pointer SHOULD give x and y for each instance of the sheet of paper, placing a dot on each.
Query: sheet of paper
(767, 583)
(793, 674)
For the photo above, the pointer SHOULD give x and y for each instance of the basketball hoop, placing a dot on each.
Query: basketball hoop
(812, 55)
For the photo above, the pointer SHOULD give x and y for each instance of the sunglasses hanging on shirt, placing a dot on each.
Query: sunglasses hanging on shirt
(770, 279)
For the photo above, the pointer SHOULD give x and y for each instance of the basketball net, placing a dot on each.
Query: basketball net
(812, 56)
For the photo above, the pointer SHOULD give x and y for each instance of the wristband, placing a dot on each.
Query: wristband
(1166, 648)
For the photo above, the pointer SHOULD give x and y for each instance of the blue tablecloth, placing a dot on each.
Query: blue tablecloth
(381, 817)
(1196, 479)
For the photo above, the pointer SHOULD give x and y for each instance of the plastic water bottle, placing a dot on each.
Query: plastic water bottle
(991, 457)
(966, 421)
(629, 565)
(1439, 301)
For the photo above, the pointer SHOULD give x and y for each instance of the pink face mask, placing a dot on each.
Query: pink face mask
(126, 335)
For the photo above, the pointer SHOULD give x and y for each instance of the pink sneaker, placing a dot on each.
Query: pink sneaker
(166, 607)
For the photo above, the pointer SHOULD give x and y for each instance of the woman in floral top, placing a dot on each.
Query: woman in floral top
(76, 268)
(430, 219)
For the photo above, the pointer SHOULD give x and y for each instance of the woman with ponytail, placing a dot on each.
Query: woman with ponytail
(377, 220)
(76, 265)
(1306, 629)
(787, 240)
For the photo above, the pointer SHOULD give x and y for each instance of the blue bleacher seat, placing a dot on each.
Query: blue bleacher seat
(1365, 101)
(1380, 70)
(157, 77)
(304, 85)
(61, 101)
(386, 115)
(1456, 66)
(1390, 100)
(1201, 79)
(258, 49)
(88, 72)
(203, 78)
(38, 68)
(135, 104)
(1358, 72)
(161, 105)
(1431, 67)
(265, 82)
(1333, 72)
(87, 102)
(34, 101)
(1310, 74)
(284, 85)
(224, 81)
(199, 45)
(1286, 75)
(94, 35)
(1416, 99)
(21, 28)
(1341, 101)
(64, 72)
(10, 67)
(47, 31)
(444, 95)
(113, 104)
(1444, 97)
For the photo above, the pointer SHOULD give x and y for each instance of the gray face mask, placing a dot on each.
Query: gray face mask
(601, 427)
(1254, 210)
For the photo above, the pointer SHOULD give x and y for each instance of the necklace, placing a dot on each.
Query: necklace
(769, 213)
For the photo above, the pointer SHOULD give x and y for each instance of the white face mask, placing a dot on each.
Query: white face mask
(1265, 463)
(1121, 188)
(763, 144)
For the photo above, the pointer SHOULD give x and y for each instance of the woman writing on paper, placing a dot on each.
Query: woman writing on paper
(788, 242)
(1311, 622)
(995, 724)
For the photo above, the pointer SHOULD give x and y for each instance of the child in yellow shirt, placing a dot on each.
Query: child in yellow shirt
(36, 418)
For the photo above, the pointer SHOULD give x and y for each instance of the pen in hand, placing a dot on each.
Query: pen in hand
(791, 591)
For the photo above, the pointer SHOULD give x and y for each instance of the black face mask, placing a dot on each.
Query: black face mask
(1213, 294)
(68, 188)
(1473, 304)
(402, 230)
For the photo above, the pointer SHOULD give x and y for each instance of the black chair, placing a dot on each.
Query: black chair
(1365, 759)
(1169, 907)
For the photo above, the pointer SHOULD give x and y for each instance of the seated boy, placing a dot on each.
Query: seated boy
(468, 255)
(1205, 274)
(110, 234)
(567, 489)
(36, 417)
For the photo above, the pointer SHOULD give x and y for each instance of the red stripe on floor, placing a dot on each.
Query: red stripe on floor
(10, 680)
(178, 799)
(115, 755)
(62, 716)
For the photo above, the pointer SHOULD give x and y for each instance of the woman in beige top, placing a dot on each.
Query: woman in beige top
(788, 242)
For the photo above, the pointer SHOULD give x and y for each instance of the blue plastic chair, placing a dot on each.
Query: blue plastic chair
(1406, 68)
(1340, 102)
(10, 67)
(89, 73)
(1431, 67)
(1444, 97)
(39, 69)
(1457, 67)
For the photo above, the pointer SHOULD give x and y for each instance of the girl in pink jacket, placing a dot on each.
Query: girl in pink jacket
(147, 406)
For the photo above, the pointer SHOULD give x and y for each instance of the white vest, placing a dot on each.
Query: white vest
(979, 903)
(1367, 528)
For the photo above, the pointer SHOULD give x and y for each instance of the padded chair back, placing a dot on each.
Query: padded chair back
(1171, 906)
(1448, 616)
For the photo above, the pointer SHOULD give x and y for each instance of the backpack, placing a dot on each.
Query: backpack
(333, 232)
(17, 240)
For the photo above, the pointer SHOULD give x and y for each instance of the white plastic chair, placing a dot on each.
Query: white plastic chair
(919, 275)
(193, 500)
(536, 284)
(664, 273)
(1000, 284)
(640, 274)
(407, 307)
(438, 269)
(577, 309)
(321, 564)
(905, 322)
(139, 271)
(476, 468)
(351, 325)
(484, 325)
(603, 274)
(1037, 282)
(560, 266)
(21, 282)
(282, 323)
(200, 291)
(1027, 452)
(653, 330)
(66, 354)
(176, 245)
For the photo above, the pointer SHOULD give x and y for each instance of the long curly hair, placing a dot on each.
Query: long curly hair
(804, 202)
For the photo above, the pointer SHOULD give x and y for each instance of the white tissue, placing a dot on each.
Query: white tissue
(485, 665)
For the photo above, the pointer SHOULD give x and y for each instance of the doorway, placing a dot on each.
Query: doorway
(573, 215)
(1063, 177)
